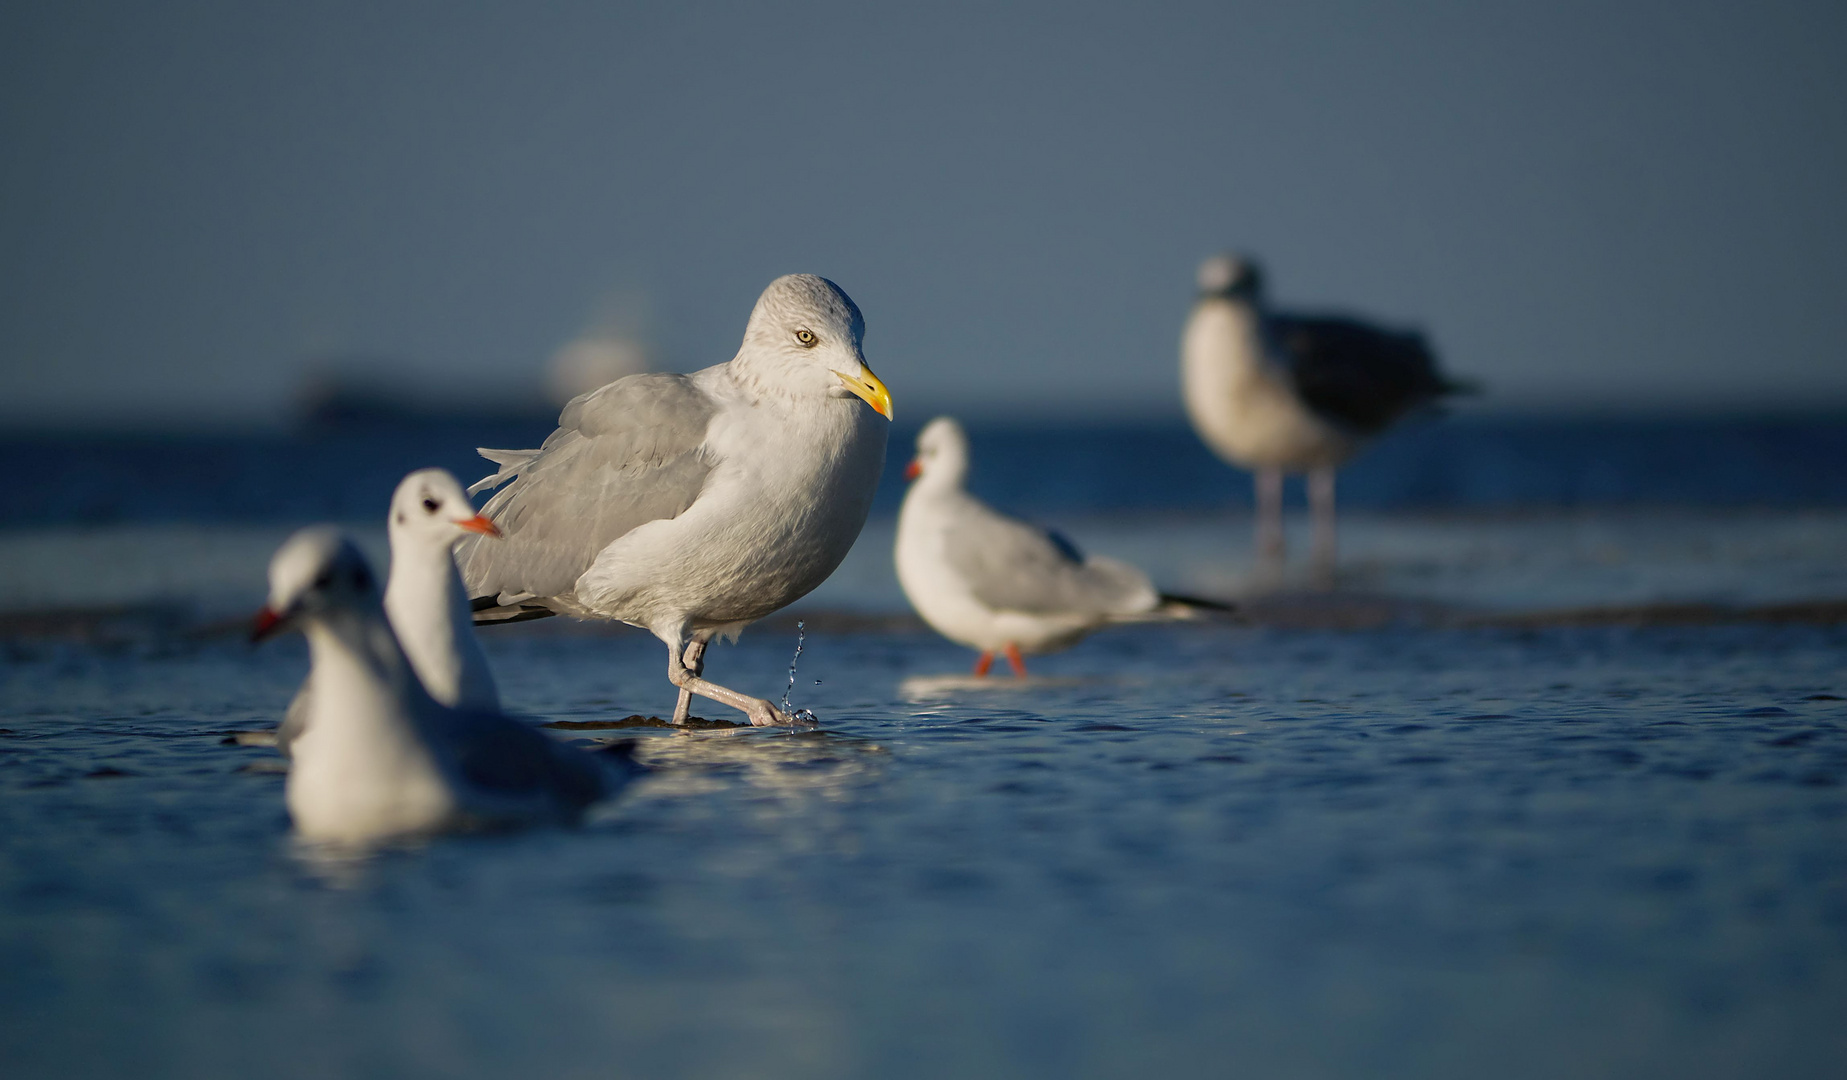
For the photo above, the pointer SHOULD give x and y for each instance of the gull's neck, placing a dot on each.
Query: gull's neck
(945, 478)
(355, 655)
(766, 378)
(363, 766)
(1223, 343)
(428, 609)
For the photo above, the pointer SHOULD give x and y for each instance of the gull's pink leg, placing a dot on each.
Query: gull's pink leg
(983, 663)
(1015, 661)
(761, 712)
(694, 662)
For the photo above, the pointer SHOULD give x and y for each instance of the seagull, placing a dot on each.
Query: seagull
(997, 584)
(378, 757)
(424, 600)
(1279, 393)
(693, 505)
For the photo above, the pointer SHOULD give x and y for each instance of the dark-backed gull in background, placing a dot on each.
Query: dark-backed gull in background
(1279, 393)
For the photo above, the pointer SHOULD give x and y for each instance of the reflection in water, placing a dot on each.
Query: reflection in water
(790, 768)
(919, 688)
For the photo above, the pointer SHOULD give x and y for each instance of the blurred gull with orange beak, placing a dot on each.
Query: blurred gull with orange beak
(997, 584)
(424, 600)
(377, 757)
(693, 505)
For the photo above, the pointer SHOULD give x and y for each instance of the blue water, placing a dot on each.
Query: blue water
(1202, 850)
(1410, 850)
(345, 472)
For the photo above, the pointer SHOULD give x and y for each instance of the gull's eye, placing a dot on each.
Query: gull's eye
(325, 579)
(806, 337)
(430, 506)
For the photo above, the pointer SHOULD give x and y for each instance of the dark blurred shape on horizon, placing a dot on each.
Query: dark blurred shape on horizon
(344, 467)
(1620, 206)
(358, 392)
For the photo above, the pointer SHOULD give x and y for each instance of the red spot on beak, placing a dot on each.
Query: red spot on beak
(479, 524)
(913, 470)
(265, 624)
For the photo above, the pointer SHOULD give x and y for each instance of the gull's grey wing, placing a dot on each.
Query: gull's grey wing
(497, 753)
(1012, 566)
(622, 456)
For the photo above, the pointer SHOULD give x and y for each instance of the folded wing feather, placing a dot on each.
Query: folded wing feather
(1010, 565)
(624, 455)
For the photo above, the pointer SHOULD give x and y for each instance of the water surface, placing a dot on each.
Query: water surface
(1207, 850)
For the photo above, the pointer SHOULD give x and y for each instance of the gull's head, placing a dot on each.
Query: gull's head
(1228, 275)
(942, 453)
(317, 572)
(430, 506)
(807, 331)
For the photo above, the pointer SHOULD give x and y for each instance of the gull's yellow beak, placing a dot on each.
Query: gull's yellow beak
(870, 390)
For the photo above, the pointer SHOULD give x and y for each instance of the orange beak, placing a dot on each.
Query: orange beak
(913, 470)
(479, 524)
(265, 624)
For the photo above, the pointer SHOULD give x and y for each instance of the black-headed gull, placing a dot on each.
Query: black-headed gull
(1000, 585)
(424, 599)
(378, 757)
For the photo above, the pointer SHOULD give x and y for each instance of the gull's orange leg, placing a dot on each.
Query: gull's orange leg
(1015, 662)
(983, 663)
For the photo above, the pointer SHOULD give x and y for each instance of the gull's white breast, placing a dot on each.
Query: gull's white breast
(1241, 403)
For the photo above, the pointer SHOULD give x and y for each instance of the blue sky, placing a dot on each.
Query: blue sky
(1589, 206)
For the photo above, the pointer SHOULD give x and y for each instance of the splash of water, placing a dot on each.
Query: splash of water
(800, 717)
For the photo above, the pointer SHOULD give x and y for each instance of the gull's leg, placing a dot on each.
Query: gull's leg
(1270, 515)
(1015, 661)
(983, 663)
(761, 712)
(1321, 506)
(694, 661)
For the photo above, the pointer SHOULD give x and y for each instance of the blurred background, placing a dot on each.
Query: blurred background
(260, 260)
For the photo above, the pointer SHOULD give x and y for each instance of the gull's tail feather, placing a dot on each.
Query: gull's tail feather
(510, 462)
(490, 609)
(1175, 606)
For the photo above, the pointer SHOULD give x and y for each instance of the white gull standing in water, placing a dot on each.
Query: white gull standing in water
(997, 584)
(378, 757)
(693, 505)
(424, 600)
(1278, 393)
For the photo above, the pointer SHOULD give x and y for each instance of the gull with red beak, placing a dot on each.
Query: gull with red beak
(378, 757)
(425, 602)
(693, 505)
(997, 584)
